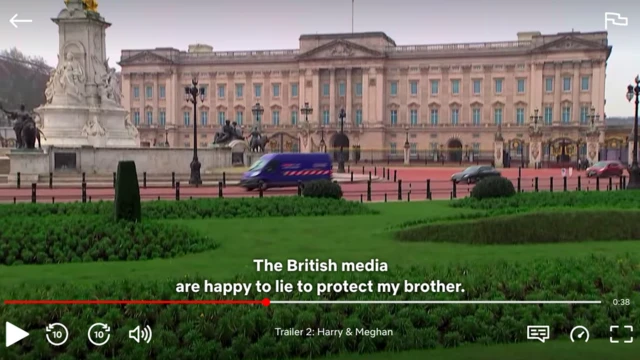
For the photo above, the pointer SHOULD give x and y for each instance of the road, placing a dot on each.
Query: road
(412, 183)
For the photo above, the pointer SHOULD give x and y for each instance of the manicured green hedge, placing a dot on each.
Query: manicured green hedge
(532, 227)
(201, 208)
(248, 331)
(322, 189)
(63, 239)
(582, 199)
(493, 187)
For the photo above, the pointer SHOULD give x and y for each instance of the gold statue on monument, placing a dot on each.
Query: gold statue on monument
(89, 5)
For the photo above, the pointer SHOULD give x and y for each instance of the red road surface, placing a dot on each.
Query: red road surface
(414, 183)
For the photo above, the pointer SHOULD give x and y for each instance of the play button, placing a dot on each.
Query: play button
(14, 334)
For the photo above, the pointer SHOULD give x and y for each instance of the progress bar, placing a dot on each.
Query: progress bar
(442, 302)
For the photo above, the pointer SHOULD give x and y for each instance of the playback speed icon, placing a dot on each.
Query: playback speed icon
(138, 334)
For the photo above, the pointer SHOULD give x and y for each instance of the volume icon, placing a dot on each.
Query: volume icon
(138, 334)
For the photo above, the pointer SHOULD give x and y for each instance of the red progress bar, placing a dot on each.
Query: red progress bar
(264, 302)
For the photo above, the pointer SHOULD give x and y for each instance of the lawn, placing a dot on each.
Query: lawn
(342, 238)
(349, 238)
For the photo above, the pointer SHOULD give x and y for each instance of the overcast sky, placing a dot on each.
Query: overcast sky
(277, 24)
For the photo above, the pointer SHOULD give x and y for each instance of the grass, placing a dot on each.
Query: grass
(347, 238)
(551, 350)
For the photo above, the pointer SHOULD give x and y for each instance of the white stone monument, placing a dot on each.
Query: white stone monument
(83, 95)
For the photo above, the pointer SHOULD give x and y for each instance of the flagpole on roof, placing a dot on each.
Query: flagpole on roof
(352, 7)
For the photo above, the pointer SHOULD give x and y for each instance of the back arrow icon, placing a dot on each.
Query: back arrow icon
(14, 21)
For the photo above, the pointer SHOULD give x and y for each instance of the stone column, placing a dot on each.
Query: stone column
(407, 153)
(315, 101)
(348, 95)
(302, 90)
(593, 146)
(332, 95)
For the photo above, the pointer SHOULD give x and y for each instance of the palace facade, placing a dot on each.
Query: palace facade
(439, 98)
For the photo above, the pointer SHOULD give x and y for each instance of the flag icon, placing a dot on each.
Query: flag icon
(614, 19)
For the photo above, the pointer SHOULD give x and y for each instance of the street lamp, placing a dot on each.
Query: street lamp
(257, 110)
(406, 138)
(342, 115)
(634, 171)
(323, 146)
(535, 118)
(593, 117)
(191, 95)
(306, 111)
(166, 137)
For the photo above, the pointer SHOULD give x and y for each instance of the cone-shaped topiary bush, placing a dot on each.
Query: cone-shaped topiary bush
(127, 201)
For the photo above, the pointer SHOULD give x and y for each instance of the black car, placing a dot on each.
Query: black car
(472, 174)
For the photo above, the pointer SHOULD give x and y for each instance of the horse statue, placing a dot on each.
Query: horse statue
(25, 127)
(258, 142)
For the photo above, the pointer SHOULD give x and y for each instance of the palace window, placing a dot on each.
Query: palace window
(414, 149)
(276, 90)
(497, 116)
(136, 92)
(239, 91)
(435, 86)
(393, 148)
(294, 117)
(325, 117)
(548, 115)
(205, 91)
(455, 87)
(394, 117)
(584, 115)
(186, 118)
(257, 90)
(239, 117)
(477, 85)
(162, 117)
(434, 117)
(149, 117)
(325, 89)
(520, 116)
(275, 117)
(413, 87)
(548, 84)
(342, 89)
(359, 117)
(204, 118)
(294, 90)
(222, 116)
(162, 92)
(476, 115)
(394, 88)
(136, 117)
(521, 85)
(221, 91)
(455, 116)
(566, 84)
(414, 116)
(476, 148)
(358, 89)
(498, 86)
(149, 92)
(566, 114)
(585, 83)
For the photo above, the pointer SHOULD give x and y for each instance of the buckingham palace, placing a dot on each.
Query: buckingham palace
(449, 99)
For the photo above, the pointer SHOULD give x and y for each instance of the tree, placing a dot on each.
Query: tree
(23, 79)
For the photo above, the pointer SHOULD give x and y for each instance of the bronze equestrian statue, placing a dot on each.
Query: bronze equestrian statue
(25, 128)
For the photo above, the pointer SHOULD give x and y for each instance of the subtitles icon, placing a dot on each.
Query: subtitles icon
(615, 19)
(538, 332)
(137, 334)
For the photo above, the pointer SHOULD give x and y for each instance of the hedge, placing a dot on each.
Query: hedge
(64, 239)
(532, 227)
(530, 200)
(201, 208)
(248, 331)
(322, 189)
(493, 187)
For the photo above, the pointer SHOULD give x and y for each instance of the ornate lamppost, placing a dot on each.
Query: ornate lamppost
(323, 145)
(191, 95)
(593, 118)
(258, 110)
(634, 170)
(342, 115)
(306, 111)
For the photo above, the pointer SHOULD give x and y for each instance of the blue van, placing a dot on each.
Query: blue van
(286, 169)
